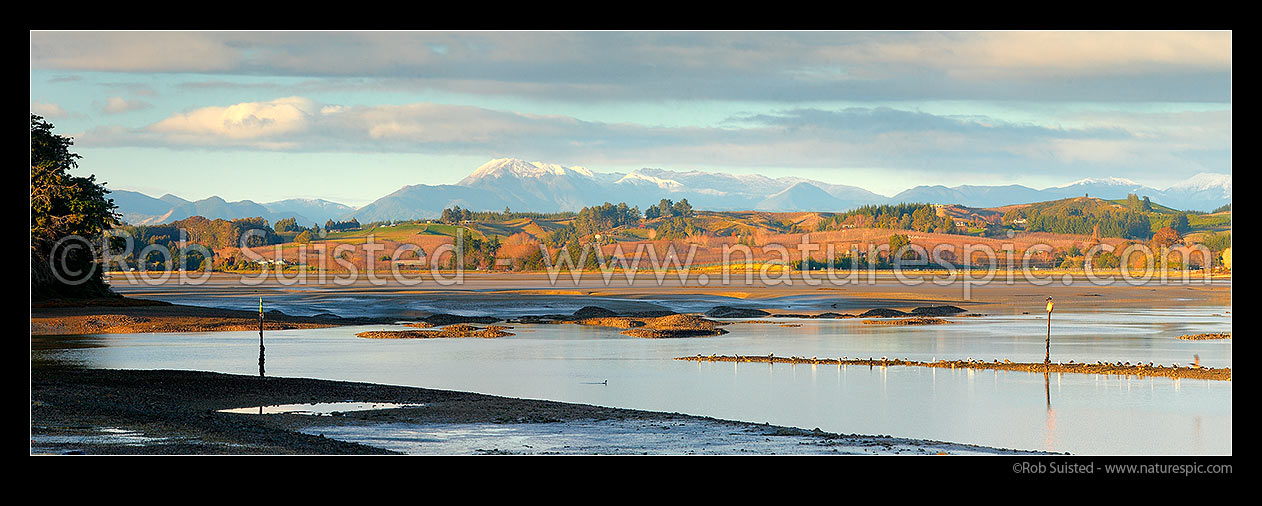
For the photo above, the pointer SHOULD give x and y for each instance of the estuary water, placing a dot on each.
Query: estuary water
(1080, 414)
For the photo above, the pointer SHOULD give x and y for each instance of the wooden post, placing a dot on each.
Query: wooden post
(261, 349)
(1047, 356)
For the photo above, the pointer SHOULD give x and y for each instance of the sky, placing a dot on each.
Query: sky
(353, 116)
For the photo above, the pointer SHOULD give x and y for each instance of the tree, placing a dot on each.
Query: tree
(63, 208)
(1180, 223)
(666, 207)
(682, 209)
(897, 242)
(287, 225)
(1166, 237)
(1132, 202)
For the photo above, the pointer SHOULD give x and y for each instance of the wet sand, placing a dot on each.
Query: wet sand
(113, 412)
(1205, 337)
(1122, 369)
(143, 316)
(453, 331)
(915, 320)
(513, 295)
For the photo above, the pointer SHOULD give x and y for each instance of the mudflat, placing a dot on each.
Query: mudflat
(797, 293)
(131, 315)
(112, 412)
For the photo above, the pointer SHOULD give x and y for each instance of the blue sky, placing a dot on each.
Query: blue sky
(353, 116)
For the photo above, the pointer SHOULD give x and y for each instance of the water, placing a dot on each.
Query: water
(317, 408)
(1081, 414)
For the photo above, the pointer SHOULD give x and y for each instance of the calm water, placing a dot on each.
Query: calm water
(1081, 414)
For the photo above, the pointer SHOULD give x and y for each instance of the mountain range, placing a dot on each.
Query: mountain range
(140, 209)
(545, 187)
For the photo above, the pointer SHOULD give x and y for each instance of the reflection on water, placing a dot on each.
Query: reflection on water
(318, 408)
(1092, 414)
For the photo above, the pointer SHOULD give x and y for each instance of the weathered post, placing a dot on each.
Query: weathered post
(261, 349)
(1047, 356)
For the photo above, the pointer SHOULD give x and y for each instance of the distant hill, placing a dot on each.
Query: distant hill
(547, 187)
(801, 197)
(1202, 192)
(140, 209)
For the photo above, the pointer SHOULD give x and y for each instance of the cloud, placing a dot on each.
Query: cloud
(806, 138)
(247, 121)
(134, 51)
(780, 66)
(48, 110)
(133, 88)
(116, 105)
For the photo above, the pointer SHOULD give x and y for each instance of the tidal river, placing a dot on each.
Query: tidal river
(1080, 414)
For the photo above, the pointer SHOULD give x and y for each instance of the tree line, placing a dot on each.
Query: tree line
(919, 217)
(1084, 217)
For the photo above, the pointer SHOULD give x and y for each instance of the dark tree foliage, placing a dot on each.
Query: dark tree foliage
(476, 253)
(1180, 223)
(335, 226)
(594, 220)
(677, 227)
(455, 215)
(1083, 216)
(1215, 241)
(288, 225)
(919, 217)
(214, 234)
(64, 207)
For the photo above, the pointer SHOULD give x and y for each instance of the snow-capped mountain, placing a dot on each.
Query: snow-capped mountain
(549, 187)
(1196, 191)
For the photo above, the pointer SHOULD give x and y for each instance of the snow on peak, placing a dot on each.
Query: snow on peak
(521, 168)
(1204, 181)
(638, 177)
(1117, 181)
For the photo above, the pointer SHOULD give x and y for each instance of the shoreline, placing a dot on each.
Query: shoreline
(174, 412)
(1140, 370)
(139, 316)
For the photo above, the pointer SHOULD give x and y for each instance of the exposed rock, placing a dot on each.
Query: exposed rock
(735, 312)
(1205, 337)
(650, 314)
(937, 311)
(593, 312)
(457, 330)
(440, 319)
(918, 320)
(882, 312)
(678, 325)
